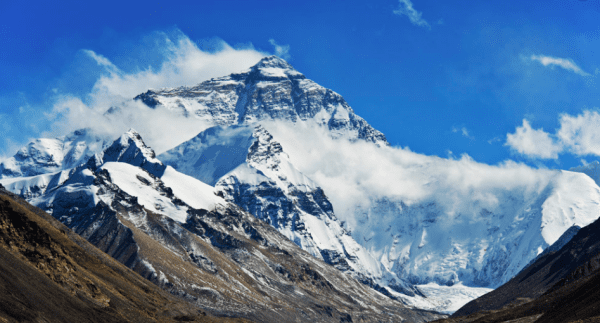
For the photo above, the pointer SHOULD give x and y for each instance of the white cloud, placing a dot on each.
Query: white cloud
(577, 134)
(462, 130)
(494, 140)
(565, 63)
(581, 133)
(534, 143)
(282, 51)
(406, 9)
(100, 60)
(184, 64)
(354, 174)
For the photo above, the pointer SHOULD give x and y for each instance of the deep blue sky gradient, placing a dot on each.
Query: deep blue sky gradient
(415, 84)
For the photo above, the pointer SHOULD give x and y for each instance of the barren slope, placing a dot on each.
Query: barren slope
(49, 274)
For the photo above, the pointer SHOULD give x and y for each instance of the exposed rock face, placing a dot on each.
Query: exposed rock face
(270, 90)
(173, 230)
(130, 149)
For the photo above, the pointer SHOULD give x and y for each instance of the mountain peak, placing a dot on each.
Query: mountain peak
(273, 67)
(273, 61)
(592, 170)
(130, 148)
(132, 132)
(270, 90)
(132, 135)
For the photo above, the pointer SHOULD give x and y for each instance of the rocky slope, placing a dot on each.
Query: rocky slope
(173, 230)
(50, 274)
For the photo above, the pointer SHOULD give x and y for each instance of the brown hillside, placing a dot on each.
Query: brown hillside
(49, 274)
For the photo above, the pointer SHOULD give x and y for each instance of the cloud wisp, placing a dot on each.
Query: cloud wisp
(463, 131)
(577, 134)
(282, 51)
(564, 63)
(407, 9)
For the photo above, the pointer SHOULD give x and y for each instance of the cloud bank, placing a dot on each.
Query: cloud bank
(355, 174)
(184, 64)
(406, 9)
(564, 63)
(577, 134)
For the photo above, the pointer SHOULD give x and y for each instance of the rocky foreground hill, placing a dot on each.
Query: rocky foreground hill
(48, 273)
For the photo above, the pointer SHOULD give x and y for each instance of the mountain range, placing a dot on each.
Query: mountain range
(286, 205)
(174, 231)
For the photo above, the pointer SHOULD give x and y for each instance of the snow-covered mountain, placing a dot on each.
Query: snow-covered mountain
(420, 248)
(250, 168)
(431, 231)
(270, 90)
(498, 244)
(592, 170)
(485, 248)
(173, 230)
(48, 155)
(442, 224)
(560, 285)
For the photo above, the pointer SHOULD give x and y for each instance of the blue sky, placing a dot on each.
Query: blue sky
(504, 80)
